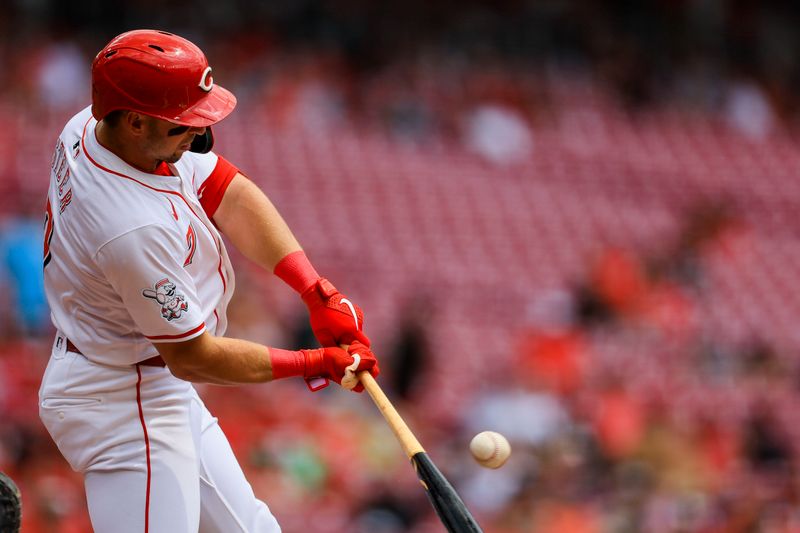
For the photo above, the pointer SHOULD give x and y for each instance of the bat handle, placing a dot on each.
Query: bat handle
(408, 441)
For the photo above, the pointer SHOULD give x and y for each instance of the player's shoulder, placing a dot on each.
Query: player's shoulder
(108, 206)
(75, 125)
(69, 140)
(109, 198)
(112, 215)
(146, 234)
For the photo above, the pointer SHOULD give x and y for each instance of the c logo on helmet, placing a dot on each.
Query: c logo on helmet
(206, 80)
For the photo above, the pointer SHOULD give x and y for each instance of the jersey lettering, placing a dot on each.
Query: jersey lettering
(63, 182)
(61, 173)
(65, 201)
(58, 155)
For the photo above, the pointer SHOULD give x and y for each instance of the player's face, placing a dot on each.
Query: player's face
(166, 141)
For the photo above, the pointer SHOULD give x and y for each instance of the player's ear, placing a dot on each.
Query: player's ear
(135, 122)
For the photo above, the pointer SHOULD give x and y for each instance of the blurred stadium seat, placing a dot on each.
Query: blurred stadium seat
(695, 212)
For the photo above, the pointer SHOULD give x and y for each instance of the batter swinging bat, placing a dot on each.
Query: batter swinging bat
(448, 505)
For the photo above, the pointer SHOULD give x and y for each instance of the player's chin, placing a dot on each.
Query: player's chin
(176, 155)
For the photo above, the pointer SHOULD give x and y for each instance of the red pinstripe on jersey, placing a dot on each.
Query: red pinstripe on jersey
(146, 448)
(178, 336)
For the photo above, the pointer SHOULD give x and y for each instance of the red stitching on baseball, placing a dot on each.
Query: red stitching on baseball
(496, 448)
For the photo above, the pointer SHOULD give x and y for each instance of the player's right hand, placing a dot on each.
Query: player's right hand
(334, 318)
(333, 362)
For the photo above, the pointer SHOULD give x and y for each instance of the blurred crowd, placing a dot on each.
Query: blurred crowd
(669, 430)
(625, 413)
(421, 68)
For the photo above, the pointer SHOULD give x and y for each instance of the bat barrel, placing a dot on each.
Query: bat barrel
(445, 500)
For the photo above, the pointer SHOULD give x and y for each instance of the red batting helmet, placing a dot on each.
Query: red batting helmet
(158, 74)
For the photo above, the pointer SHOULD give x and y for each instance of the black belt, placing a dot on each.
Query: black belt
(153, 361)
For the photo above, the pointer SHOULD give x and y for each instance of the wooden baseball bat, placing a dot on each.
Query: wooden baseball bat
(444, 498)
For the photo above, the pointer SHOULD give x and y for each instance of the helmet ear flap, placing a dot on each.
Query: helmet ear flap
(202, 144)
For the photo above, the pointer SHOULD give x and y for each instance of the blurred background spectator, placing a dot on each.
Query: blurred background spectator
(592, 203)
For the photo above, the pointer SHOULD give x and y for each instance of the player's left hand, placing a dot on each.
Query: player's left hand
(334, 319)
(341, 365)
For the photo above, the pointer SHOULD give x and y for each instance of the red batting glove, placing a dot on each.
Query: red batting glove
(334, 319)
(322, 364)
(332, 362)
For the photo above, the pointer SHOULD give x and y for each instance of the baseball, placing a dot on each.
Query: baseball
(490, 449)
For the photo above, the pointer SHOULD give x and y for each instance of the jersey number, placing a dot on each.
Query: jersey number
(48, 232)
(191, 245)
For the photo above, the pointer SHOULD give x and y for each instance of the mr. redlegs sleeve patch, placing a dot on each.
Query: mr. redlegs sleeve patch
(165, 293)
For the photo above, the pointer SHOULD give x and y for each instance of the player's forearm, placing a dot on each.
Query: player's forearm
(248, 218)
(224, 361)
(218, 360)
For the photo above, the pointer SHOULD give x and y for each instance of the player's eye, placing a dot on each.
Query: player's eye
(178, 130)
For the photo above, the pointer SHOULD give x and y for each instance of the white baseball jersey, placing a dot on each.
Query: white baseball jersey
(131, 257)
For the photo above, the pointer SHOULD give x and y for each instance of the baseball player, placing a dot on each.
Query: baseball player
(138, 280)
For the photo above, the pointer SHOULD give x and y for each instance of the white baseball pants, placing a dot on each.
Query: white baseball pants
(153, 458)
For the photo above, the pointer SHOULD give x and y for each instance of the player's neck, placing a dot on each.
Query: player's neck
(125, 150)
